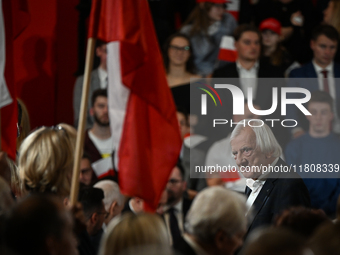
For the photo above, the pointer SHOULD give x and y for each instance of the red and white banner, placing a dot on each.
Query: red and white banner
(8, 104)
(142, 111)
(5, 97)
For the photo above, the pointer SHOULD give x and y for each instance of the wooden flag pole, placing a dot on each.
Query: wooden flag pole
(82, 120)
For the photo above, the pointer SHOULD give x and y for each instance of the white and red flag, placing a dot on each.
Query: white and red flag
(9, 29)
(227, 49)
(142, 111)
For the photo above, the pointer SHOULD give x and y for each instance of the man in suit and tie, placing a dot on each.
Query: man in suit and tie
(256, 150)
(216, 223)
(247, 69)
(177, 206)
(98, 81)
(322, 70)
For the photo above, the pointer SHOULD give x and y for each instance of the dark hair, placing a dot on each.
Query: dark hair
(91, 200)
(199, 19)
(268, 241)
(190, 65)
(245, 28)
(181, 168)
(321, 97)
(183, 111)
(303, 221)
(87, 156)
(98, 93)
(31, 222)
(326, 30)
(99, 43)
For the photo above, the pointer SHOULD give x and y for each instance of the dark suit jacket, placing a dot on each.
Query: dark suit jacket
(183, 248)
(263, 93)
(277, 194)
(308, 71)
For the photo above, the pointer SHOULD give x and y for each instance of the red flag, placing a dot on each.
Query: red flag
(142, 112)
(9, 112)
(227, 49)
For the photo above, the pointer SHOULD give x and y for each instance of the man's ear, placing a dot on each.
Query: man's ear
(94, 217)
(269, 154)
(312, 44)
(91, 111)
(220, 239)
(184, 185)
(113, 208)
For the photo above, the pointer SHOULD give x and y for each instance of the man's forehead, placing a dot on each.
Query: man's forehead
(101, 99)
(245, 137)
(319, 106)
(324, 39)
(249, 35)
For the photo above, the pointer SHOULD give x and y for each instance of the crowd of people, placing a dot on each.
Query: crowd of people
(254, 212)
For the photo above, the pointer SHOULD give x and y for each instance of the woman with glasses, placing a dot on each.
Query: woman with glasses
(206, 26)
(180, 67)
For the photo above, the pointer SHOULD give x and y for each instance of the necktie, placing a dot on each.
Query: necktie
(325, 81)
(174, 228)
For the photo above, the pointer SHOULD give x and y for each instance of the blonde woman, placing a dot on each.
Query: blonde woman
(46, 160)
(134, 231)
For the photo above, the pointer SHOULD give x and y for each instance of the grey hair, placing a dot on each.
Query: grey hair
(111, 193)
(265, 138)
(214, 209)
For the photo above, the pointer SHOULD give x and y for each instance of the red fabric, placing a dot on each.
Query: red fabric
(227, 55)
(150, 142)
(9, 113)
(271, 24)
(235, 14)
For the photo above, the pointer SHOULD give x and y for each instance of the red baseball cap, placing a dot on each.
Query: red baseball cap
(271, 24)
(214, 1)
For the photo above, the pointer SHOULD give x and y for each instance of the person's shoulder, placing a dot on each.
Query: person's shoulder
(335, 139)
(300, 71)
(224, 70)
(269, 70)
(186, 29)
(297, 141)
(227, 17)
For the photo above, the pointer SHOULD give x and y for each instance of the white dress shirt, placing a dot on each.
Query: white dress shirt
(256, 186)
(332, 91)
(103, 78)
(248, 78)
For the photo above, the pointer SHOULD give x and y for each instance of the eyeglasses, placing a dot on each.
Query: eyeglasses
(174, 181)
(183, 49)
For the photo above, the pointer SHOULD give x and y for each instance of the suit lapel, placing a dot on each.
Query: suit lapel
(261, 198)
(310, 70)
(248, 191)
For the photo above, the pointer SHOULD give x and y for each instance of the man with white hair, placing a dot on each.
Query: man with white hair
(271, 185)
(113, 199)
(215, 224)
